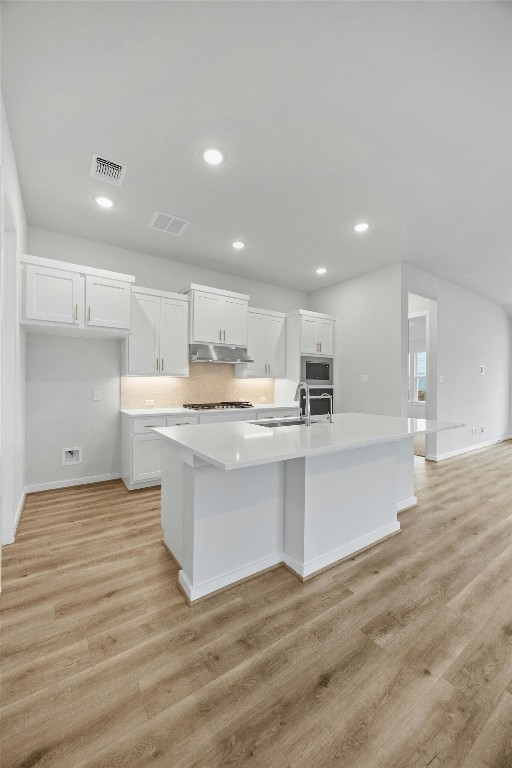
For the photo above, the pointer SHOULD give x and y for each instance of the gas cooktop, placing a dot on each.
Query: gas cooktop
(217, 406)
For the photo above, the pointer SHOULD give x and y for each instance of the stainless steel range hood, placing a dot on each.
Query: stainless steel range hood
(215, 353)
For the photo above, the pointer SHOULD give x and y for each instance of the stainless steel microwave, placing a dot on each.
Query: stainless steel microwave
(316, 370)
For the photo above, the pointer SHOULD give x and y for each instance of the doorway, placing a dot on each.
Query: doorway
(422, 367)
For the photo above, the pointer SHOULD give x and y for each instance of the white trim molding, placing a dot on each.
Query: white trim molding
(69, 483)
(468, 449)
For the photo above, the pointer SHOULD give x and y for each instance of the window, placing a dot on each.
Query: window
(418, 377)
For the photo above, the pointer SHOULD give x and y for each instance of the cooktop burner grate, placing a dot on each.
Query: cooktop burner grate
(217, 406)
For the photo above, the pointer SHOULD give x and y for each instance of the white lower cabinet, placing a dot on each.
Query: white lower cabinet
(146, 458)
(141, 448)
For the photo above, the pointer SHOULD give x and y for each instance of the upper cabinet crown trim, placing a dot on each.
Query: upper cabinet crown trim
(39, 261)
(218, 291)
(270, 312)
(161, 294)
(308, 313)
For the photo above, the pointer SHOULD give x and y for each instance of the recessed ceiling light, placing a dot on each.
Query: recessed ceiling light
(321, 271)
(104, 202)
(238, 244)
(213, 156)
(361, 226)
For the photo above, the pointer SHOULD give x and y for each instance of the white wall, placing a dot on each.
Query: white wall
(154, 272)
(367, 340)
(471, 331)
(13, 230)
(62, 373)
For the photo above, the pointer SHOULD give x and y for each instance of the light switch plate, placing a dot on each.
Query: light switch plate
(97, 394)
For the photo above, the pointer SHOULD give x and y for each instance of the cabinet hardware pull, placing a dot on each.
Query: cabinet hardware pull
(89, 314)
(269, 369)
(150, 426)
(157, 364)
(76, 311)
(320, 346)
(220, 335)
(224, 335)
(162, 363)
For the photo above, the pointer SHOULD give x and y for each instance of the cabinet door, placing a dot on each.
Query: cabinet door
(143, 342)
(324, 332)
(308, 336)
(206, 320)
(234, 321)
(146, 457)
(108, 303)
(52, 295)
(173, 337)
(275, 346)
(257, 345)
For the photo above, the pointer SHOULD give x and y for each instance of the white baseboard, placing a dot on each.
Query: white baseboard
(227, 579)
(406, 504)
(17, 516)
(69, 483)
(468, 449)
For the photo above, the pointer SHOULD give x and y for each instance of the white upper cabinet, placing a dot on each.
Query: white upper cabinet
(265, 344)
(158, 344)
(108, 303)
(174, 337)
(70, 299)
(218, 317)
(52, 295)
(316, 335)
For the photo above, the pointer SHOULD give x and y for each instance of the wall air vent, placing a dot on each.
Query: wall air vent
(107, 170)
(168, 222)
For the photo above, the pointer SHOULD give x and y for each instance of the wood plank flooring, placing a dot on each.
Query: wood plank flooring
(398, 658)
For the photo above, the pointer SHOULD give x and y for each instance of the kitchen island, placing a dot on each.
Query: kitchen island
(240, 498)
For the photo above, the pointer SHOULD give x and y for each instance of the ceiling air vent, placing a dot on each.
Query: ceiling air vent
(107, 170)
(168, 222)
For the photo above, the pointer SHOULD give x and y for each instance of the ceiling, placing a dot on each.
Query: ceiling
(399, 113)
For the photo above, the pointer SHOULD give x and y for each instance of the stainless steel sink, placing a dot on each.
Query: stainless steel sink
(285, 422)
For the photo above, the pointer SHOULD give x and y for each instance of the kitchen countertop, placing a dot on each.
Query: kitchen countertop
(181, 411)
(235, 445)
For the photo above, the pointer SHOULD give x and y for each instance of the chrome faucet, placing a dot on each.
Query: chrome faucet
(307, 414)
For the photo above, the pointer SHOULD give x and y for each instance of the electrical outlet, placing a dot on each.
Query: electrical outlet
(441, 379)
(364, 378)
(473, 430)
(482, 428)
(97, 394)
(263, 399)
(150, 402)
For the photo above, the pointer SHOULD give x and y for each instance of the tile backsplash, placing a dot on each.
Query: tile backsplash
(206, 383)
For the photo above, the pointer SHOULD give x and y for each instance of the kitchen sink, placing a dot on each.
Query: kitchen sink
(279, 423)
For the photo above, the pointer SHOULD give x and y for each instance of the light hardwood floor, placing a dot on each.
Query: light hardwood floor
(398, 658)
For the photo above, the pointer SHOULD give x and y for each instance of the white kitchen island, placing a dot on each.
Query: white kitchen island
(240, 498)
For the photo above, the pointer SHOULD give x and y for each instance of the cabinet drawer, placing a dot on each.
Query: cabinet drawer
(175, 421)
(143, 426)
(284, 414)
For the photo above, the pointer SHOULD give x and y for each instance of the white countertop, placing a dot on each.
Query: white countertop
(237, 444)
(181, 411)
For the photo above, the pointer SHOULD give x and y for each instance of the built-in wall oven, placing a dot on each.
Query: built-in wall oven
(316, 371)
(320, 406)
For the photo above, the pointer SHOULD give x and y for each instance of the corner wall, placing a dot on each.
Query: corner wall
(471, 331)
(13, 231)
(367, 340)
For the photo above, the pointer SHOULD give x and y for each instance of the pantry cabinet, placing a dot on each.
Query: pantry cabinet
(158, 344)
(218, 317)
(265, 344)
(69, 299)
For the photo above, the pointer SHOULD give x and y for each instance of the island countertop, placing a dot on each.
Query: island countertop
(236, 445)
